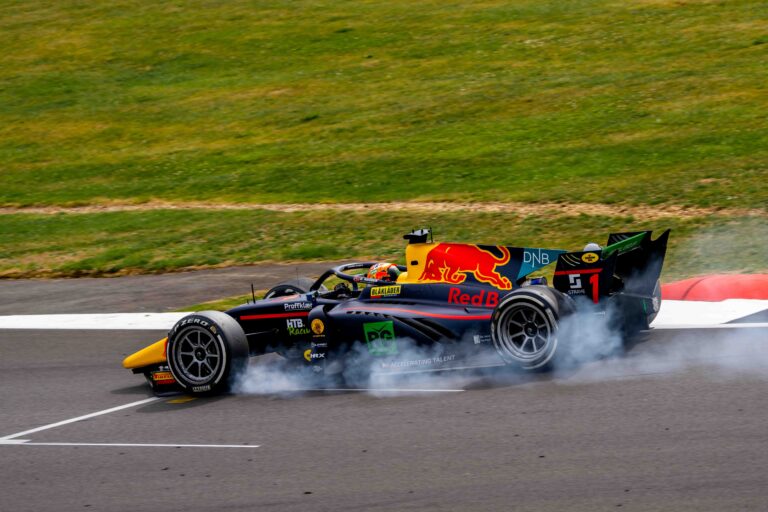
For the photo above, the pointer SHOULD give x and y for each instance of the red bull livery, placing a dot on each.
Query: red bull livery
(452, 263)
(451, 304)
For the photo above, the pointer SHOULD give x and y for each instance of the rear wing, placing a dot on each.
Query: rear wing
(631, 263)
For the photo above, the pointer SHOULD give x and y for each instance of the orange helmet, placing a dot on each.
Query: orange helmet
(384, 272)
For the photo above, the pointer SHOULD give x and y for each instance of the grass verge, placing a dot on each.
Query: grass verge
(597, 101)
(115, 243)
(223, 304)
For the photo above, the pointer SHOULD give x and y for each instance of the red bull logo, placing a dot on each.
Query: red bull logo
(451, 263)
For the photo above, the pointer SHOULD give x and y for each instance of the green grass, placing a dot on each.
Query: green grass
(642, 102)
(223, 304)
(166, 240)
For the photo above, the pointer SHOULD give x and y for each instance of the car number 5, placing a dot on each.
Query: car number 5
(575, 281)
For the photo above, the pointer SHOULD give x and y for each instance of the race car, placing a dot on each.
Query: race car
(454, 302)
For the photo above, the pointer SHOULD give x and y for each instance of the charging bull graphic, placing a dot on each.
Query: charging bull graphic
(450, 263)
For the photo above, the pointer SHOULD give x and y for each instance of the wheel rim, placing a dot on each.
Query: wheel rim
(524, 332)
(197, 355)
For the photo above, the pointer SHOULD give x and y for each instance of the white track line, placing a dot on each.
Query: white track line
(673, 314)
(80, 418)
(697, 314)
(96, 321)
(756, 325)
(24, 442)
(389, 372)
(385, 390)
(12, 440)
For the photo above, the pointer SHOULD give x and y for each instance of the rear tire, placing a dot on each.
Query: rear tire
(524, 326)
(206, 352)
(655, 303)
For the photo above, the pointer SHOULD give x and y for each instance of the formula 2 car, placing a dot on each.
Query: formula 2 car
(453, 301)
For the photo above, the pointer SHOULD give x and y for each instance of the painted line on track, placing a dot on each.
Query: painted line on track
(674, 314)
(352, 390)
(388, 372)
(95, 321)
(756, 325)
(25, 442)
(12, 440)
(383, 390)
(80, 418)
(697, 314)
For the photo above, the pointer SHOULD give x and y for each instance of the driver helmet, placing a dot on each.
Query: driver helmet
(384, 272)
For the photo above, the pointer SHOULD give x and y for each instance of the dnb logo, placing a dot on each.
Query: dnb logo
(380, 338)
(450, 263)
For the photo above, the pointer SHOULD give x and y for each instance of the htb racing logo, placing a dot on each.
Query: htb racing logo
(296, 327)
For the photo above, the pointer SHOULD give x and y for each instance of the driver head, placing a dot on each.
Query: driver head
(592, 246)
(384, 272)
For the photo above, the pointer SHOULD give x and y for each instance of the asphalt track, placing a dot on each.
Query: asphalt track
(679, 423)
(155, 293)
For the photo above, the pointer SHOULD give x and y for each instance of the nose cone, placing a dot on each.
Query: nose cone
(153, 354)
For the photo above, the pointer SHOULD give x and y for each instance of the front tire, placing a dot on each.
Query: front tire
(206, 352)
(524, 326)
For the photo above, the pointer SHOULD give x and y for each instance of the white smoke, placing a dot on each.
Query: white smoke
(272, 375)
(414, 370)
(723, 353)
(596, 353)
(588, 335)
(591, 348)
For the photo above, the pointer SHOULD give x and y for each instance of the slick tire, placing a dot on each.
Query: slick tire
(292, 287)
(656, 303)
(206, 352)
(524, 326)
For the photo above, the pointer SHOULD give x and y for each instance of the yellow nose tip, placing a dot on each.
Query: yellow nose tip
(153, 354)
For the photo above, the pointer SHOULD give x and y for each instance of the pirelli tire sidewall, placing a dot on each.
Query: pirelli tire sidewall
(228, 341)
(548, 305)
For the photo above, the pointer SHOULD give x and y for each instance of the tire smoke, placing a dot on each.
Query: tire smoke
(590, 334)
(414, 370)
